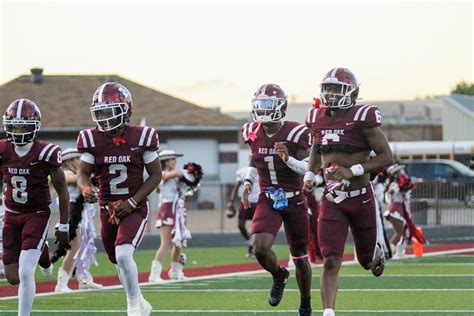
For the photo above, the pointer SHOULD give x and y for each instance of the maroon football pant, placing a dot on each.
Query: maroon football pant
(294, 217)
(23, 231)
(130, 230)
(359, 214)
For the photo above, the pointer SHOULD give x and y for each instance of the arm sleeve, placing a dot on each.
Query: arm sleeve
(88, 157)
(149, 156)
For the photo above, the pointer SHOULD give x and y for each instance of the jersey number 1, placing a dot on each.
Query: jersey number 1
(271, 168)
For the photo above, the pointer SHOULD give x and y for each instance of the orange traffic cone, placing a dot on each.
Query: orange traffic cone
(418, 246)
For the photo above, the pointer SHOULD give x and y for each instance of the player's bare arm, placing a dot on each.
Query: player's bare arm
(379, 144)
(233, 195)
(250, 178)
(71, 178)
(314, 164)
(59, 183)
(154, 179)
(84, 182)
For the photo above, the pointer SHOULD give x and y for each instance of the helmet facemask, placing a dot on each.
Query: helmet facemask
(268, 109)
(110, 116)
(337, 95)
(21, 132)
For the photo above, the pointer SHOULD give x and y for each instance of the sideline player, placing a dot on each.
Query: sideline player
(26, 165)
(281, 199)
(118, 153)
(245, 214)
(344, 135)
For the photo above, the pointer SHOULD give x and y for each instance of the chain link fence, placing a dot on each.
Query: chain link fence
(442, 203)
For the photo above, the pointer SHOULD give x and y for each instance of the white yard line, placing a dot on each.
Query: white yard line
(296, 290)
(187, 311)
(224, 275)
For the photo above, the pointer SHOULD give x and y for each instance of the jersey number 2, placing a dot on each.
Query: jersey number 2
(122, 177)
(271, 168)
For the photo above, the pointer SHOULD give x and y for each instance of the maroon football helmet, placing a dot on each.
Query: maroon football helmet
(339, 89)
(111, 106)
(269, 103)
(21, 121)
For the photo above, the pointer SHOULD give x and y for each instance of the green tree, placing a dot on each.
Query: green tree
(464, 87)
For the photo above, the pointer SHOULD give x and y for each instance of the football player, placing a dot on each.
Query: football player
(118, 153)
(26, 165)
(344, 135)
(281, 199)
(244, 214)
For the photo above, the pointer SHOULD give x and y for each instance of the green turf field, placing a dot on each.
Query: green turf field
(425, 286)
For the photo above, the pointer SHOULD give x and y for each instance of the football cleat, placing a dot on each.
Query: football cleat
(379, 263)
(276, 292)
(143, 308)
(305, 312)
(46, 272)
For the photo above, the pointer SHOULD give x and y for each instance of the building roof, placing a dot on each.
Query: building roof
(464, 101)
(64, 101)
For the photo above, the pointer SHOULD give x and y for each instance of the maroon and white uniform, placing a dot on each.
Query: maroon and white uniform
(345, 134)
(273, 172)
(27, 196)
(119, 167)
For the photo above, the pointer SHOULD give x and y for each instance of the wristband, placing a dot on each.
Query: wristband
(357, 170)
(309, 176)
(132, 202)
(248, 183)
(63, 227)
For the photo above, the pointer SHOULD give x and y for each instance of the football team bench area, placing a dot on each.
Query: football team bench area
(439, 283)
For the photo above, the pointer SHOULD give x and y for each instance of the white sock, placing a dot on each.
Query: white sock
(175, 266)
(249, 242)
(128, 271)
(156, 268)
(329, 312)
(26, 292)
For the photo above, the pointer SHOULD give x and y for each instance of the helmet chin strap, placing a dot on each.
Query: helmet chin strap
(119, 131)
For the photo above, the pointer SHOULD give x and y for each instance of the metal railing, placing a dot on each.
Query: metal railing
(443, 203)
(434, 203)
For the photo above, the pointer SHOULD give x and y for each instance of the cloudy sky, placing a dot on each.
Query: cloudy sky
(217, 53)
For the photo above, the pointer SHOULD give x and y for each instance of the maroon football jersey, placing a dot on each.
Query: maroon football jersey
(26, 177)
(118, 168)
(272, 170)
(343, 132)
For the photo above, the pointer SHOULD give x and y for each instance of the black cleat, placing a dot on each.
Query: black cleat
(276, 292)
(305, 312)
(379, 264)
